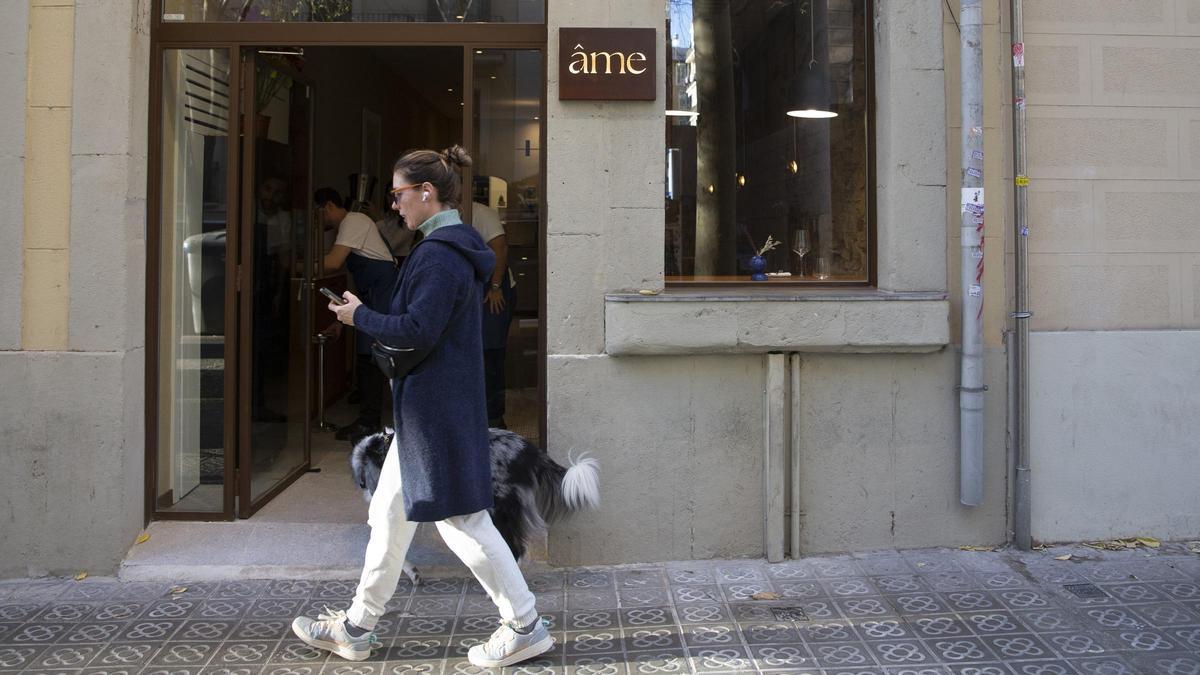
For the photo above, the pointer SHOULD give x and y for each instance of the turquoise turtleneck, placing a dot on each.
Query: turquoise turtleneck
(439, 220)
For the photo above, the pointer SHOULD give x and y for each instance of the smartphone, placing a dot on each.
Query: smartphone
(333, 297)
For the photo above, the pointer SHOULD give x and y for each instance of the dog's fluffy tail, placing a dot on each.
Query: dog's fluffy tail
(563, 490)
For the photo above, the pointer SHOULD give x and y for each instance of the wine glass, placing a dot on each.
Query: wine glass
(800, 246)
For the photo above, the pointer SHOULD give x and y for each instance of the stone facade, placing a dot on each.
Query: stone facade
(1114, 142)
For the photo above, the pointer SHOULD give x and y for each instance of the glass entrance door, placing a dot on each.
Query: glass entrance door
(275, 330)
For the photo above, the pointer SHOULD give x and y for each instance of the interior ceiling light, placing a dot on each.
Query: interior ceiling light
(811, 114)
(682, 113)
(809, 94)
(793, 166)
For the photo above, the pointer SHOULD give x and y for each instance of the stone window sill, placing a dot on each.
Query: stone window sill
(733, 321)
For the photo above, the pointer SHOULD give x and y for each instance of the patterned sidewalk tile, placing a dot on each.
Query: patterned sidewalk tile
(926, 612)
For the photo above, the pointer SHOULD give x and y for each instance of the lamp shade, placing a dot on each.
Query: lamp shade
(810, 93)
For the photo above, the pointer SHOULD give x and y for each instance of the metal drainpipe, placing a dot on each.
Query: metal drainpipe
(1022, 516)
(971, 388)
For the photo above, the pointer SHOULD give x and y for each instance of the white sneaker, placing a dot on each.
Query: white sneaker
(329, 632)
(507, 646)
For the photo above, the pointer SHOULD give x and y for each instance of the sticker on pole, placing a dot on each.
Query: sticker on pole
(1022, 181)
(1018, 55)
(972, 200)
(975, 291)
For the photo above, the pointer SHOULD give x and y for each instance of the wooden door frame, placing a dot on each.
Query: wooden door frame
(237, 37)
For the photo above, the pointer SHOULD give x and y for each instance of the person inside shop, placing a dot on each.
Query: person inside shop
(438, 468)
(361, 249)
(497, 315)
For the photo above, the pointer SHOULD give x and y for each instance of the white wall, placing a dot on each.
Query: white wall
(1115, 434)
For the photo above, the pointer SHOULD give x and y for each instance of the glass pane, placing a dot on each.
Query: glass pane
(434, 11)
(280, 325)
(195, 170)
(767, 139)
(506, 193)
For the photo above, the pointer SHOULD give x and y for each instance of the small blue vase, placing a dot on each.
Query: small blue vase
(758, 265)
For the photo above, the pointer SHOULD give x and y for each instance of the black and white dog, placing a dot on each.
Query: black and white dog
(529, 489)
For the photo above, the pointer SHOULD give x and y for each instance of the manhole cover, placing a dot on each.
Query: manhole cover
(789, 614)
(1086, 591)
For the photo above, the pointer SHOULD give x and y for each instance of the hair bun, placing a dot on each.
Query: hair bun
(456, 154)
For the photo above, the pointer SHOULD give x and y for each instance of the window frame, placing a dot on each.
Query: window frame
(743, 283)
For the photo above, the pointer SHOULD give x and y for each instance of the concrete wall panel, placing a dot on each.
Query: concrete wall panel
(105, 27)
(1059, 69)
(1061, 217)
(99, 262)
(880, 460)
(742, 325)
(1191, 290)
(679, 440)
(1146, 71)
(1101, 17)
(69, 463)
(1090, 292)
(1091, 143)
(1189, 143)
(910, 72)
(14, 35)
(1148, 216)
(1187, 17)
(579, 264)
(1113, 434)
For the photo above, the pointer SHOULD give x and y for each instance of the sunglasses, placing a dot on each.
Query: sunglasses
(395, 192)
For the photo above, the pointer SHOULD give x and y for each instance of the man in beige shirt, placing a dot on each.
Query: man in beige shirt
(361, 248)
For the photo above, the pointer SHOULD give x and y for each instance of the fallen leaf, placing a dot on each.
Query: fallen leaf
(765, 595)
(1150, 542)
(977, 548)
(1194, 547)
(1063, 557)
(178, 589)
(81, 576)
(647, 291)
(1094, 544)
(142, 538)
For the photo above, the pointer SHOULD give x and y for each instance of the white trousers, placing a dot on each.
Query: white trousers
(473, 538)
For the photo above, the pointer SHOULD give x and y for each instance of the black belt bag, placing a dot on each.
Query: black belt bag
(396, 362)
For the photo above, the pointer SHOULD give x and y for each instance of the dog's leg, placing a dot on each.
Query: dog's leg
(412, 573)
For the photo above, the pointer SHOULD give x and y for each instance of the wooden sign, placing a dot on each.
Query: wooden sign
(606, 64)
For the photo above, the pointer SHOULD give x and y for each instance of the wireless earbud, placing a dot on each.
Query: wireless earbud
(424, 196)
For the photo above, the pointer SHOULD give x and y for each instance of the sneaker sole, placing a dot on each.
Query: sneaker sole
(345, 653)
(532, 651)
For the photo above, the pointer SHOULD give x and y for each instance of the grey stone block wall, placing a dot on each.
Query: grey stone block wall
(680, 438)
(72, 422)
(73, 462)
(14, 38)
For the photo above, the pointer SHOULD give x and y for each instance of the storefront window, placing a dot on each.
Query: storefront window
(767, 138)
(379, 11)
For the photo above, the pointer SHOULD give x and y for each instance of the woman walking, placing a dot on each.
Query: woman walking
(438, 468)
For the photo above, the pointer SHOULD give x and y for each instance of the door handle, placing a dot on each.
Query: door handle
(300, 288)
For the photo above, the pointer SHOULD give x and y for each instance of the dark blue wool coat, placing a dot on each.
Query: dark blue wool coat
(440, 409)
